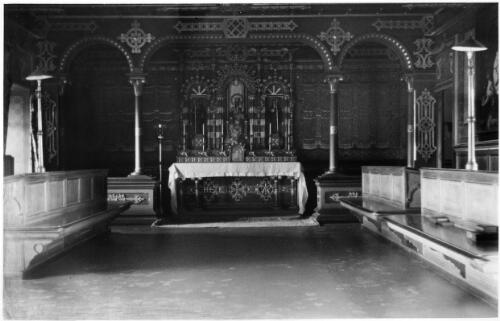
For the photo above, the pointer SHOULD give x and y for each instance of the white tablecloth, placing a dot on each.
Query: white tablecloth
(201, 170)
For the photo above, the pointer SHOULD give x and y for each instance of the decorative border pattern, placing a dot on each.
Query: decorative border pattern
(426, 24)
(74, 26)
(235, 27)
(425, 106)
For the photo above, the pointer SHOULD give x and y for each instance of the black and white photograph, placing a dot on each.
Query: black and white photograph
(202, 160)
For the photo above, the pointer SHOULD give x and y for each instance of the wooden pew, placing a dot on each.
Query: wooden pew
(386, 190)
(456, 229)
(45, 214)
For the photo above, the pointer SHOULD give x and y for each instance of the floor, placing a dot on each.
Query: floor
(332, 271)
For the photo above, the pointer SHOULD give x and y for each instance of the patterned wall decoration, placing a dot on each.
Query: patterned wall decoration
(313, 113)
(424, 53)
(74, 26)
(235, 27)
(425, 114)
(335, 36)
(136, 38)
(426, 24)
(46, 55)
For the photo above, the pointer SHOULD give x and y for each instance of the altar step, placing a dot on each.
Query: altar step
(231, 221)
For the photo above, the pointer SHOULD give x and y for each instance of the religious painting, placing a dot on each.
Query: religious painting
(487, 83)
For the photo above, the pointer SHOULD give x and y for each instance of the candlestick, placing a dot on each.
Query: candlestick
(183, 136)
(269, 137)
(222, 135)
(203, 136)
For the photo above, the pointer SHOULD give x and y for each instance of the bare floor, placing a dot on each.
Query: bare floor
(333, 271)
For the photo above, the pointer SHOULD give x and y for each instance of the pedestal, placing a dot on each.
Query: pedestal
(143, 191)
(331, 188)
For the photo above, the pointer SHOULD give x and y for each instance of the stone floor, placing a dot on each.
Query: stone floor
(332, 271)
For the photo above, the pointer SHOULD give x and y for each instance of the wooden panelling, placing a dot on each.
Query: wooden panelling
(56, 200)
(85, 189)
(34, 191)
(36, 198)
(392, 184)
(72, 186)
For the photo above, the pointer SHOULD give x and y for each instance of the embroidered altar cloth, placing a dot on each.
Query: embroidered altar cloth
(251, 169)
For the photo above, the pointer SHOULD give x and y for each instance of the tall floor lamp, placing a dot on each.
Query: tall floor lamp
(469, 46)
(38, 76)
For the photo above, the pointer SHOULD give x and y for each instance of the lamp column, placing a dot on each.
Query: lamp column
(469, 46)
(39, 133)
(471, 112)
(38, 75)
(333, 81)
(137, 81)
(408, 78)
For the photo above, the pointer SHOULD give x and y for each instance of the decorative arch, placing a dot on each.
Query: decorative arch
(384, 39)
(280, 38)
(79, 45)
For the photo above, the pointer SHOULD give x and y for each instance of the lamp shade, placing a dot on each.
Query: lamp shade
(468, 45)
(38, 75)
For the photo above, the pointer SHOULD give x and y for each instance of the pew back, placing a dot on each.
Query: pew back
(468, 195)
(53, 198)
(397, 185)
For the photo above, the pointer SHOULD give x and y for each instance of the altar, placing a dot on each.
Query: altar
(246, 186)
(236, 151)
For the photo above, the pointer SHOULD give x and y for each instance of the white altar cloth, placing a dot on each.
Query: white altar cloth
(252, 169)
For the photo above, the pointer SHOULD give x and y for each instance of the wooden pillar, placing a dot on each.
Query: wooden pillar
(410, 111)
(137, 80)
(333, 81)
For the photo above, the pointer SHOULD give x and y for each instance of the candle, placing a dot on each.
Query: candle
(203, 129)
(269, 137)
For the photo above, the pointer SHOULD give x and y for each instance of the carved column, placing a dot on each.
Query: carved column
(137, 80)
(333, 81)
(408, 78)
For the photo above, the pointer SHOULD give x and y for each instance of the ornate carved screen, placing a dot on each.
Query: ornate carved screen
(237, 112)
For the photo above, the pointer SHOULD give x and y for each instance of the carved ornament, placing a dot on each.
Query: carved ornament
(136, 38)
(335, 36)
(46, 55)
(424, 53)
(425, 107)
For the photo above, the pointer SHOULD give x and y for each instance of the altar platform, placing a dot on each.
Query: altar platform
(250, 188)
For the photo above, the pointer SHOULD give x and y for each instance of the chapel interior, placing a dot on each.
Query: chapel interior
(250, 160)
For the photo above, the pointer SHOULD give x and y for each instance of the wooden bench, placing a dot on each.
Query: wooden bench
(456, 228)
(46, 214)
(386, 190)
